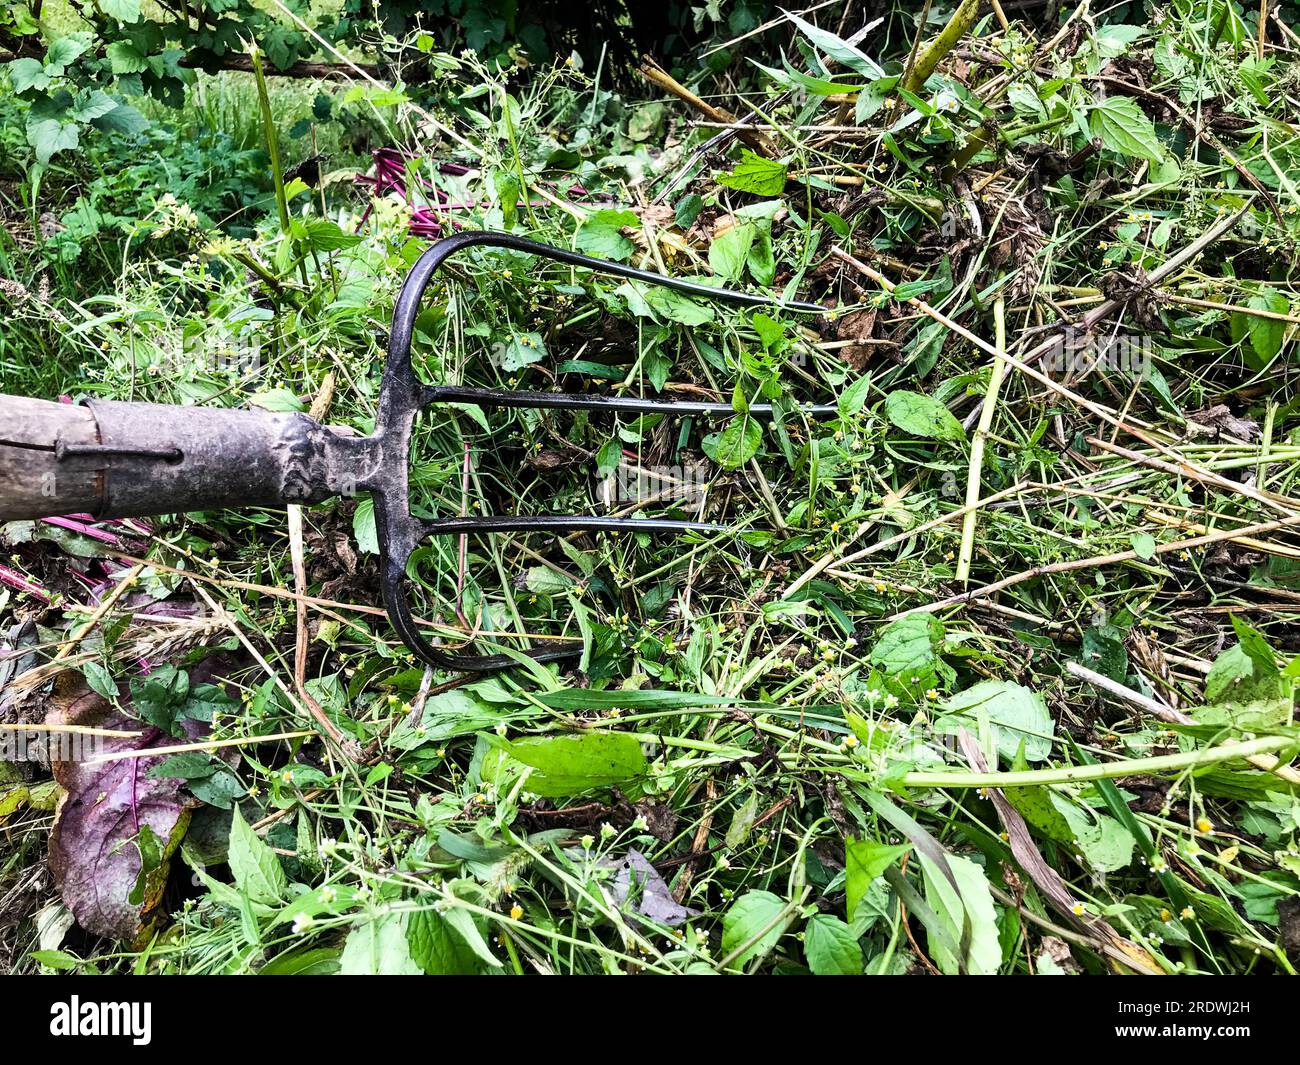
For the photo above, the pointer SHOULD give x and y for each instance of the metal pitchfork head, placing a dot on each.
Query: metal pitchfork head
(121, 459)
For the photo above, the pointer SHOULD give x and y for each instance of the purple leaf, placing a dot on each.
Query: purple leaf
(94, 855)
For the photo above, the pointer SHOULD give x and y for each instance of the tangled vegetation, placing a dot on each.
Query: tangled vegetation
(988, 664)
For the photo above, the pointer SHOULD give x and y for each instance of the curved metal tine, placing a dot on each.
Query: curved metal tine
(560, 523)
(491, 397)
(404, 621)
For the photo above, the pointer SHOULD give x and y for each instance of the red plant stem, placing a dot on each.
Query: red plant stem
(16, 580)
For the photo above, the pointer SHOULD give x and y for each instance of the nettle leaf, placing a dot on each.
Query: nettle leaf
(1124, 128)
(754, 922)
(521, 350)
(922, 416)
(831, 947)
(25, 74)
(602, 235)
(736, 444)
(756, 174)
(864, 861)
(94, 846)
(436, 947)
(254, 865)
(1017, 715)
(908, 645)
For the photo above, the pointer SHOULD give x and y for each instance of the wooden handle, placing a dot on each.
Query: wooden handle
(32, 481)
(121, 460)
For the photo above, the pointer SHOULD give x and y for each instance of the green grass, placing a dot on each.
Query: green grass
(770, 715)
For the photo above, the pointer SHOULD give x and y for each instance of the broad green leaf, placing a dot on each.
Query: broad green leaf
(100, 680)
(436, 948)
(126, 58)
(675, 307)
(94, 105)
(1017, 714)
(601, 235)
(746, 244)
(1123, 127)
(522, 349)
(738, 442)
(49, 136)
(1104, 842)
(27, 74)
(1144, 544)
(277, 399)
(1266, 334)
(852, 399)
(63, 52)
(907, 645)
(730, 250)
(542, 580)
(1244, 687)
(864, 861)
(755, 174)
(324, 235)
(255, 867)
(922, 416)
(568, 765)
(985, 956)
(831, 947)
(378, 947)
(122, 10)
(363, 526)
(754, 922)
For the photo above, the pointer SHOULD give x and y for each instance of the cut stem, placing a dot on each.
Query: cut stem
(977, 445)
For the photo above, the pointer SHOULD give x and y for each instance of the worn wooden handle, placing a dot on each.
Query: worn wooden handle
(33, 483)
(117, 460)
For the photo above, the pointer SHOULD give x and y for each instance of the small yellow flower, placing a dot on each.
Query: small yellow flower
(1204, 824)
(933, 693)
(850, 741)
(1165, 915)
(1187, 913)
(516, 912)
(1078, 909)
